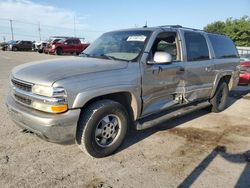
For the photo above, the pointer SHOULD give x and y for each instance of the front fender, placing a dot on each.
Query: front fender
(83, 97)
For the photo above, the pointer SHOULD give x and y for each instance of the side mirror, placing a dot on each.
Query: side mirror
(162, 57)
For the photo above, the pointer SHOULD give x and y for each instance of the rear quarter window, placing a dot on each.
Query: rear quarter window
(223, 46)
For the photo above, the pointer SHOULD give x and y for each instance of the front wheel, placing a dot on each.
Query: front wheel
(14, 49)
(102, 128)
(59, 51)
(219, 101)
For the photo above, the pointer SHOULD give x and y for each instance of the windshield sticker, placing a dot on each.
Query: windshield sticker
(140, 38)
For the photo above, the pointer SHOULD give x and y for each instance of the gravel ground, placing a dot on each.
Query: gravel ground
(200, 149)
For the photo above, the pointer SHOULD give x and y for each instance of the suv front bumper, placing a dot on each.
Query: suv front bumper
(59, 128)
(49, 50)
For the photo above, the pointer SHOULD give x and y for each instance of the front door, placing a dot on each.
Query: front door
(162, 82)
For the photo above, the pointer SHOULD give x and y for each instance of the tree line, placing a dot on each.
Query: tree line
(237, 29)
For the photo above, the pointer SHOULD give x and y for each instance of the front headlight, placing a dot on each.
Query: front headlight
(48, 91)
(53, 46)
(52, 99)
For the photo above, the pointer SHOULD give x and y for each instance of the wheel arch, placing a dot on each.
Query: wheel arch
(223, 76)
(127, 99)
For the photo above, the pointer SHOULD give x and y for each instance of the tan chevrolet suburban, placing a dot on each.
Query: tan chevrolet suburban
(128, 78)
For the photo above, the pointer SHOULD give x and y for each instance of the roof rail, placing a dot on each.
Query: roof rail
(179, 26)
(173, 26)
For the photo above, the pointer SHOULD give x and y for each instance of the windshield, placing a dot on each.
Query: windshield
(120, 45)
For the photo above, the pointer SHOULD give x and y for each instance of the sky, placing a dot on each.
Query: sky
(91, 18)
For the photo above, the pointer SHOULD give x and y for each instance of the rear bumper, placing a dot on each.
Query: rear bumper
(59, 128)
(244, 79)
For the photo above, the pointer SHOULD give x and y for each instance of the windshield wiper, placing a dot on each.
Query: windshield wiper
(102, 56)
(107, 57)
(84, 55)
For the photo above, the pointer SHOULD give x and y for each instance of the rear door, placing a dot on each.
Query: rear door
(199, 66)
(68, 45)
(78, 46)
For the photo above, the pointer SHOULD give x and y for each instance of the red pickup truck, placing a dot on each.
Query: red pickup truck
(68, 45)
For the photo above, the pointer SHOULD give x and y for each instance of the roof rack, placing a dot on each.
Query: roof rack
(173, 26)
(179, 26)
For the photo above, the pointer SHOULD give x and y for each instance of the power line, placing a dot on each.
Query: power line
(17, 28)
(51, 26)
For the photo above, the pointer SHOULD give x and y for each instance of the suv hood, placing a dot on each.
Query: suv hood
(49, 71)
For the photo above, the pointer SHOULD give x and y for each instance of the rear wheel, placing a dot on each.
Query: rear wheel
(219, 101)
(59, 51)
(14, 49)
(102, 128)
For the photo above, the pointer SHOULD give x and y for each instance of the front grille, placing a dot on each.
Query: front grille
(22, 85)
(22, 99)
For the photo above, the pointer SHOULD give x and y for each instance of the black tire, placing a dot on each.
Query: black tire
(90, 121)
(14, 49)
(219, 100)
(59, 51)
(40, 51)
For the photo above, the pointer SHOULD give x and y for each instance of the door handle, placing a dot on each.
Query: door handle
(181, 69)
(208, 69)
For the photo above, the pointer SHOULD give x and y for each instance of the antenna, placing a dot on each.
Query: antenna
(146, 24)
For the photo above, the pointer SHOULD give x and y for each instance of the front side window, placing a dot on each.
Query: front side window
(120, 45)
(196, 46)
(166, 42)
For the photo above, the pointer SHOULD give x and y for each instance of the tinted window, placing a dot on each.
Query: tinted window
(69, 41)
(76, 41)
(196, 46)
(223, 46)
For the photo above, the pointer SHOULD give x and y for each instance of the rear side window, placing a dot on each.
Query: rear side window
(223, 46)
(77, 41)
(196, 46)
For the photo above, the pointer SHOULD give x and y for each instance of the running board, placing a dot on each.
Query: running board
(152, 121)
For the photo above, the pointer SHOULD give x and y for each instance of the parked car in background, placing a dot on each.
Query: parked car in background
(244, 73)
(67, 45)
(245, 57)
(21, 45)
(135, 77)
(3, 46)
(39, 46)
(51, 42)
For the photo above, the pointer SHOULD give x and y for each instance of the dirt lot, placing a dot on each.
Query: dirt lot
(200, 149)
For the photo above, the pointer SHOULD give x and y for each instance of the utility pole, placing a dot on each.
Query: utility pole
(4, 39)
(39, 31)
(74, 26)
(11, 28)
